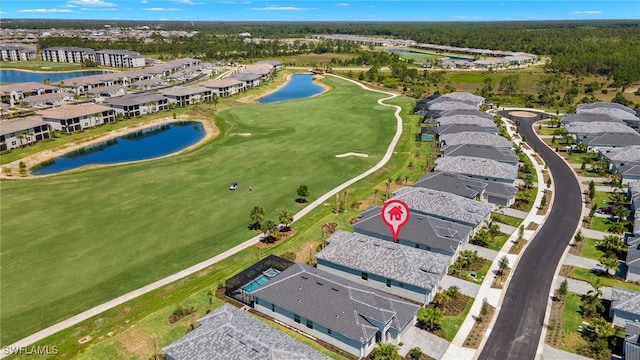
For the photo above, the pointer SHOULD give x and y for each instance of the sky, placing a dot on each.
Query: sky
(321, 10)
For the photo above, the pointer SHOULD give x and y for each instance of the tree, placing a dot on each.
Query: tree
(528, 181)
(563, 289)
(493, 229)
(269, 229)
(440, 299)
(481, 238)
(610, 263)
(578, 237)
(257, 215)
(453, 291)
(375, 197)
(430, 319)
(612, 245)
(503, 264)
(415, 353)
(215, 100)
(385, 351)
(285, 217)
(388, 184)
(592, 191)
(303, 192)
(620, 213)
(509, 84)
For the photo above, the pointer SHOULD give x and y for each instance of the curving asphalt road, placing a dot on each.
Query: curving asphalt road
(517, 330)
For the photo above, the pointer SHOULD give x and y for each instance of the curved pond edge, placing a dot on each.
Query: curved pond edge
(325, 88)
(211, 132)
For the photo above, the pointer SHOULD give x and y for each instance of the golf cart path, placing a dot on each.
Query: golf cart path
(42, 334)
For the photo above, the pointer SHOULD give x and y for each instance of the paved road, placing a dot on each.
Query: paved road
(204, 264)
(517, 330)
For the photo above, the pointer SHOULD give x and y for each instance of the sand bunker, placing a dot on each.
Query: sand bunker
(244, 134)
(523, 114)
(352, 154)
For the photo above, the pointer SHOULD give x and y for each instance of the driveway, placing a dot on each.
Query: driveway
(516, 332)
(430, 344)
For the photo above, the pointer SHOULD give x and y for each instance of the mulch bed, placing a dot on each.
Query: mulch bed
(554, 328)
(454, 306)
(177, 315)
(474, 338)
(532, 226)
(279, 236)
(329, 228)
(575, 248)
(500, 280)
(517, 247)
(566, 271)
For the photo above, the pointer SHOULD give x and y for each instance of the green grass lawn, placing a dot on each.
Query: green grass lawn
(417, 58)
(73, 241)
(571, 319)
(601, 198)
(43, 66)
(589, 249)
(469, 78)
(451, 324)
(498, 242)
(506, 219)
(587, 275)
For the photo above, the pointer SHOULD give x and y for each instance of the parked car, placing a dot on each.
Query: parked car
(605, 210)
(234, 186)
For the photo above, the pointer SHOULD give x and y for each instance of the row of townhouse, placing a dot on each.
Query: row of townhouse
(77, 117)
(365, 273)
(17, 52)
(74, 54)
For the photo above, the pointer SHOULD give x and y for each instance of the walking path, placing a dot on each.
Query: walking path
(204, 264)
(494, 297)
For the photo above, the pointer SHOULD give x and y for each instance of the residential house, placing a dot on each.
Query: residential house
(631, 349)
(583, 129)
(621, 155)
(277, 65)
(458, 128)
(138, 104)
(588, 117)
(22, 131)
(420, 232)
(107, 91)
(14, 93)
(422, 107)
(400, 270)
(604, 141)
(625, 306)
(615, 110)
(466, 119)
(236, 335)
(428, 133)
(487, 191)
(478, 168)
(445, 206)
(47, 99)
(187, 95)
(340, 312)
(475, 138)
(503, 155)
(224, 87)
(249, 81)
(465, 97)
(73, 118)
(467, 112)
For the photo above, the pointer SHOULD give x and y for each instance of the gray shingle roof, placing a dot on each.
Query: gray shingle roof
(617, 111)
(475, 138)
(604, 105)
(625, 300)
(598, 127)
(238, 336)
(632, 340)
(622, 154)
(444, 104)
(466, 119)
(611, 139)
(336, 303)
(501, 190)
(482, 151)
(184, 90)
(391, 260)
(452, 183)
(444, 205)
(588, 117)
(420, 229)
(464, 96)
(467, 112)
(458, 128)
(20, 124)
(135, 99)
(474, 166)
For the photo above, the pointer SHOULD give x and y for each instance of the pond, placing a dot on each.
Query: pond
(299, 86)
(17, 76)
(148, 143)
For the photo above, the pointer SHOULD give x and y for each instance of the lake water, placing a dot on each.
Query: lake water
(299, 86)
(149, 143)
(17, 76)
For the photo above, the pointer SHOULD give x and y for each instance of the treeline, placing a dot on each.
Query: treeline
(205, 46)
(606, 47)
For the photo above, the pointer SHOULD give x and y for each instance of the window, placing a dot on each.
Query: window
(328, 331)
(310, 324)
(296, 318)
(417, 246)
(401, 285)
(388, 282)
(257, 302)
(273, 308)
(365, 276)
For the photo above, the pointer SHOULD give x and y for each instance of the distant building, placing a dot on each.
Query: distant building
(119, 58)
(23, 131)
(17, 52)
(73, 118)
(67, 54)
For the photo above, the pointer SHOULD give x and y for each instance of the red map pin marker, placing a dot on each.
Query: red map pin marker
(395, 214)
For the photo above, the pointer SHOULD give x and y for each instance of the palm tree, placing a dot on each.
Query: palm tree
(257, 215)
(285, 217)
(269, 229)
(388, 183)
(453, 291)
(20, 137)
(493, 228)
(503, 264)
(430, 318)
(610, 263)
(620, 213)
(375, 197)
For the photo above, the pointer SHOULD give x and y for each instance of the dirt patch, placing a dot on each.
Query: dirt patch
(532, 226)
(517, 246)
(479, 328)
(137, 342)
(575, 248)
(352, 154)
(329, 228)
(566, 271)
(500, 280)
(179, 313)
(554, 327)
